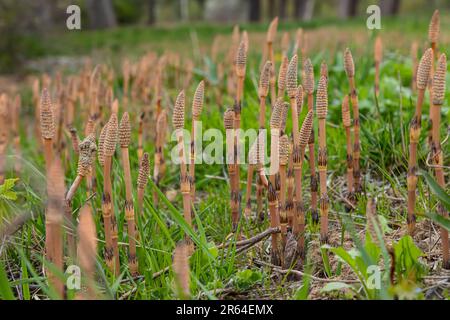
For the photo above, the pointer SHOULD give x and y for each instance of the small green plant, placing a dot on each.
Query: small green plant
(6, 190)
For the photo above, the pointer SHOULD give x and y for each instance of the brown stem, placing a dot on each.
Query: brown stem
(192, 163)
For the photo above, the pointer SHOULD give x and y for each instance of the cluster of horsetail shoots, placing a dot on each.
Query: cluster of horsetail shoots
(87, 252)
(54, 247)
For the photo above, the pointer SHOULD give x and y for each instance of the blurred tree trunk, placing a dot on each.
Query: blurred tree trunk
(309, 10)
(299, 8)
(201, 6)
(390, 7)
(184, 10)
(101, 14)
(254, 12)
(348, 8)
(151, 11)
(282, 9)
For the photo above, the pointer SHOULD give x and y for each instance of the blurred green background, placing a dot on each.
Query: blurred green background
(35, 29)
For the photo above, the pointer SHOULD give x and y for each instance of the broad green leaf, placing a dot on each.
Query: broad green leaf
(8, 184)
(5, 289)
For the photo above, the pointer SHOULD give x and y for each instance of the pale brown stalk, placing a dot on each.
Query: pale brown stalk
(437, 152)
(322, 110)
(124, 141)
(423, 73)
(87, 252)
(181, 270)
(53, 225)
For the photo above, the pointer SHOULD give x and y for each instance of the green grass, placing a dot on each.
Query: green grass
(384, 163)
